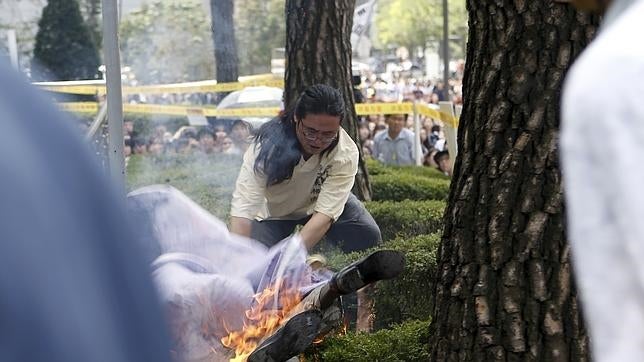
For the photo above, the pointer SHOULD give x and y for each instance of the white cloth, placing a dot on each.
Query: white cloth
(205, 276)
(602, 155)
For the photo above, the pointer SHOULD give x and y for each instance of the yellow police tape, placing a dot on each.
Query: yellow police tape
(362, 109)
(188, 87)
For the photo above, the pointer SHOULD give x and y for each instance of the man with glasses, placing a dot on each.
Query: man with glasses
(300, 171)
(395, 145)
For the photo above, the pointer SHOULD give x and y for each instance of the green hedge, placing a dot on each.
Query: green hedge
(377, 168)
(405, 342)
(409, 295)
(407, 218)
(398, 187)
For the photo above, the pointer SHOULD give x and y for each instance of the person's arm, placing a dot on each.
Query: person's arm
(313, 231)
(247, 197)
(334, 192)
(240, 225)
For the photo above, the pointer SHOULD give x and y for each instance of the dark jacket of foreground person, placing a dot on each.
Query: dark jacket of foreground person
(72, 285)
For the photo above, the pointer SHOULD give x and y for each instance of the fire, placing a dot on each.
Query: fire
(262, 319)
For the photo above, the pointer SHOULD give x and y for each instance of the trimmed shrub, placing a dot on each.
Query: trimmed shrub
(404, 342)
(407, 218)
(377, 168)
(408, 296)
(398, 187)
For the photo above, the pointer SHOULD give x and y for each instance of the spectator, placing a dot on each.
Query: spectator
(443, 163)
(128, 127)
(240, 134)
(424, 142)
(207, 140)
(228, 147)
(441, 92)
(140, 146)
(434, 136)
(365, 139)
(395, 146)
(128, 146)
(156, 147)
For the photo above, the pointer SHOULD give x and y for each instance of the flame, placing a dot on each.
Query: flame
(262, 319)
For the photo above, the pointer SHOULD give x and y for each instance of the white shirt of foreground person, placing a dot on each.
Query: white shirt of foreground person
(603, 166)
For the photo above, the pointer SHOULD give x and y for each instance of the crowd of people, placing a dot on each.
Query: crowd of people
(390, 139)
(231, 137)
(386, 138)
(399, 87)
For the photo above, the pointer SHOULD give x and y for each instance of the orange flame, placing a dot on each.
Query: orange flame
(261, 321)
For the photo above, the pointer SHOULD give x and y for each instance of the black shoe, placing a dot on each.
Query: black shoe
(289, 340)
(379, 265)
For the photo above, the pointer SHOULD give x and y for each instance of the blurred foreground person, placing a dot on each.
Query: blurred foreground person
(72, 285)
(604, 180)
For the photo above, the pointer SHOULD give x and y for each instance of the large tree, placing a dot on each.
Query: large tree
(505, 290)
(223, 36)
(318, 50)
(64, 47)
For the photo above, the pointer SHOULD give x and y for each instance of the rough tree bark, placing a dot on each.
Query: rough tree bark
(223, 37)
(318, 50)
(504, 287)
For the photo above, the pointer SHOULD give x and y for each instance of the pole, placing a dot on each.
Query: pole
(13, 48)
(445, 50)
(114, 95)
(418, 149)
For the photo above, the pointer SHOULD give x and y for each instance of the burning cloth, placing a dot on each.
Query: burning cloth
(214, 284)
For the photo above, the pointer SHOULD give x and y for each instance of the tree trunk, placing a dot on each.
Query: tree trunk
(318, 50)
(223, 36)
(504, 288)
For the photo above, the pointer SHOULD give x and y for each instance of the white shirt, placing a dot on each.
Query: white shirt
(320, 184)
(603, 167)
(398, 151)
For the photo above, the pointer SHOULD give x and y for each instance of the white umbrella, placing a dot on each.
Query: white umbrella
(252, 97)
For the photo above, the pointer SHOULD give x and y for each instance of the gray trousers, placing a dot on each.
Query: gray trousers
(354, 230)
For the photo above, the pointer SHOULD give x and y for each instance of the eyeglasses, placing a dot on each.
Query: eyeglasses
(313, 134)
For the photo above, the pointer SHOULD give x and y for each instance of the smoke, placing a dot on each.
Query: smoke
(206, 276)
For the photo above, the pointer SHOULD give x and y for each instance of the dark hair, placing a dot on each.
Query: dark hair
(240, 122)
(438, 155)
(405, 115)
(279, 149)
(205, 131)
